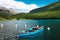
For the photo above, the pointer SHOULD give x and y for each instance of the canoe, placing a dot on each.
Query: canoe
(31, 31)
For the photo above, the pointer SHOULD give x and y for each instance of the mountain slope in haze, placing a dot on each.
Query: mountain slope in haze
(51, 7)
(6, 13)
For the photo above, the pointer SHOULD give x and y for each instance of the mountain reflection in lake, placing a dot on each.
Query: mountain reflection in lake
(52, 34)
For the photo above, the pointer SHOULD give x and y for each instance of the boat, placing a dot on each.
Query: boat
(31, 31)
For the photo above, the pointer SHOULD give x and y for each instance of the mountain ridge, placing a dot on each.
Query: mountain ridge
(51, 11)
(50, 7)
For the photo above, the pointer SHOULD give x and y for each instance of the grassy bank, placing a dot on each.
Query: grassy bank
(2, 18)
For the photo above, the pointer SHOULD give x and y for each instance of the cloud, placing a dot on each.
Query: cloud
(17, 5)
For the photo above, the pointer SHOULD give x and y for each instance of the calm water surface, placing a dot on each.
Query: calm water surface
(52, 34)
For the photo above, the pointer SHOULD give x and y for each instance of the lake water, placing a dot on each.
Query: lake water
(52, 34)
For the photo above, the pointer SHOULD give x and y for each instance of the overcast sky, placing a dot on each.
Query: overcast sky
(25, 5)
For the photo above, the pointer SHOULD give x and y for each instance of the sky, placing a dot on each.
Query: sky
(25, 5)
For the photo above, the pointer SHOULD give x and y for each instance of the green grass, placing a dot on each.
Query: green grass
(2, 18)
(48, 14)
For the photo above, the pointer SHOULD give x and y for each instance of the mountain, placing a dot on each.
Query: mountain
(9, 9)
(6, 13)
(51, 7)
(51, 11)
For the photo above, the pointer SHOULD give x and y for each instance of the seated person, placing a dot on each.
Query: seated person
(35, 28)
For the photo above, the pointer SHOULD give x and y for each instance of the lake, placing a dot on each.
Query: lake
(9, 26)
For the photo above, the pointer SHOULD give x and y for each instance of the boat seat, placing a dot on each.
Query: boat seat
(35, 28)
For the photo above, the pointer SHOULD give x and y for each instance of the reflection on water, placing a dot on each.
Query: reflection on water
(15, 27)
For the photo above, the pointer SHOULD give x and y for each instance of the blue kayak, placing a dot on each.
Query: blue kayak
(31, 31)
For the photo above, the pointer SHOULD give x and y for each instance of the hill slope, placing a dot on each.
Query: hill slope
(51, 11)
(51, 7)
(4, 13)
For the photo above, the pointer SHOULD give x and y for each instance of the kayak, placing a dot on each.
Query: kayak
(31, 31)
